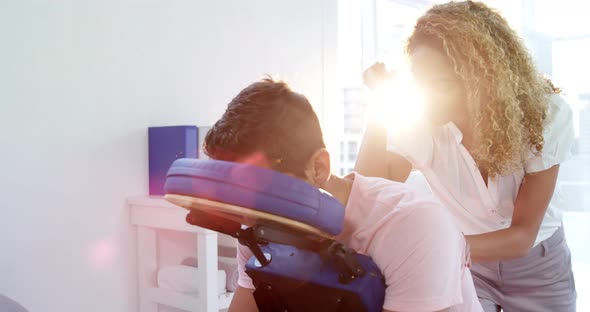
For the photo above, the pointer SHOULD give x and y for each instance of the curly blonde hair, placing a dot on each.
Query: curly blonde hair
(507, 97)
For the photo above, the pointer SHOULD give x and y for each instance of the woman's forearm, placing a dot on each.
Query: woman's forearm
(372, 158)
(503, 244)
(529, 208)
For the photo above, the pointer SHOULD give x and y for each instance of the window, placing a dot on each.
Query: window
(352, 151)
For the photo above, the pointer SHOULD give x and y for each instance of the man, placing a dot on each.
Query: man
(411, 238)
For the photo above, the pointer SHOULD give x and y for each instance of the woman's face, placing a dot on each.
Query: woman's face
(444, 95)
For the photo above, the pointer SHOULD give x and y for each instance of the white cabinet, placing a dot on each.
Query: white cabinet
(149, 214)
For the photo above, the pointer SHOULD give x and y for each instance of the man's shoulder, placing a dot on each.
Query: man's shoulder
(394, 194)
(376, 185)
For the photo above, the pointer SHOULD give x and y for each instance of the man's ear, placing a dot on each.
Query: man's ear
(318, 167)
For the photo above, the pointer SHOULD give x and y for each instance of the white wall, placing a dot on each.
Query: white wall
(80, 81)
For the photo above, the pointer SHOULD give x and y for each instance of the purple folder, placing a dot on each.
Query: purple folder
(166, 144)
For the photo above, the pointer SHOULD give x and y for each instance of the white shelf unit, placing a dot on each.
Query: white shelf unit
(149, 214)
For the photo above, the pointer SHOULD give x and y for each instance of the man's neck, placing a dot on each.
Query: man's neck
(339, 188)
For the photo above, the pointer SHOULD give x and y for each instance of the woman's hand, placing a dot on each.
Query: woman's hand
(375, 75)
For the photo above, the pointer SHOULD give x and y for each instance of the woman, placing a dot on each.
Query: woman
(500, 132)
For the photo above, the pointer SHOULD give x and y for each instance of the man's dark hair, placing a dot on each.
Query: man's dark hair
(267, 117)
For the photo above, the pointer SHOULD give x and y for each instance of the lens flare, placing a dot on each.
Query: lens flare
(397, 104)
(102, 253)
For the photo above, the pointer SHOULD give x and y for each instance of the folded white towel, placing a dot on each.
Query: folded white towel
(185, 279)
(227, 264)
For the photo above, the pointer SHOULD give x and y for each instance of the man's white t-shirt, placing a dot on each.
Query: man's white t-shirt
(412, 239)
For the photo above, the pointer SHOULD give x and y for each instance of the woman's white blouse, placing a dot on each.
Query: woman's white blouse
(455, 179)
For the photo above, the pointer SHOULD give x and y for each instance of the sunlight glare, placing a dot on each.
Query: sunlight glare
(396, 104)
